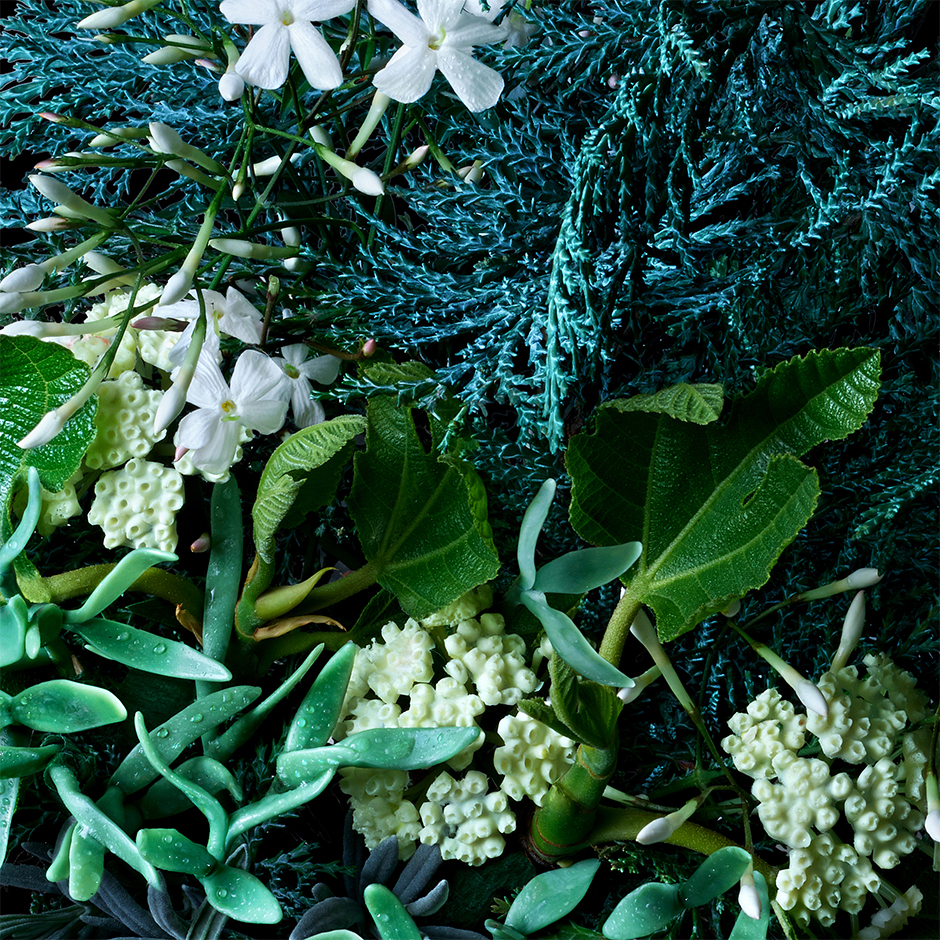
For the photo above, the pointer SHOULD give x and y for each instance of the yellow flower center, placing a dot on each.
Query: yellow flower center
(287, 17)
(292, 371)
(228, 407)
(437, 40)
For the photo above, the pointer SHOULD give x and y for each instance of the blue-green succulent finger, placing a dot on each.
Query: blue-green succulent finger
(532, 522)
(27, 525)
(318, 713)
(65, 707)
(647, 910)
(240, 732)
(23, 761)
(102, 827)
(241, 895)
(147, 651)
(204, 801)
(116, 582)
(392, 921)
(14, 622)
(176, 734)
(570, 644)
(170, 850)
(588, 568)
(9, 790)
(550, 896)
(86, 865)
(164, 799)
(276, 804)
(59, 866)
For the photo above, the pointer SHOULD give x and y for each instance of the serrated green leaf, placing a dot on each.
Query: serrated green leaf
(413, 514)
(715, 505)
(36, 377)
(588, 709)
(537, 709)
(286, 470)
(696, 404)
(393, 373)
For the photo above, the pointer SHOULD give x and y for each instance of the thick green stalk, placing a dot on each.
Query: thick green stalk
(566, 820)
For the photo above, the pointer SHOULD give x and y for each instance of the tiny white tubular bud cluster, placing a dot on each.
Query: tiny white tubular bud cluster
(110, 17)
(852, 628)
(660, 829)
(164, 139)
(28, 277)
(861, 578)
(748, 897)
(245, 249)
(65, 198)
(182, 48)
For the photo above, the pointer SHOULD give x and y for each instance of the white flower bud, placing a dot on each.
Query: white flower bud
(114, 135)
(852, 628)
(863, 578)
(932, 825)
(472, 173)
(231, 85)
(366, 181)
(245, 249)
(177, 287)
(51, 223)
(661, 829)
(321, 137)
(60, 194)
(167, 55)
(171, 404)
(271, 165)
(29, 277)
(26, 328)
(52, 422)
(812, 697)
(110, 17)
(12, 302)
(749, 900)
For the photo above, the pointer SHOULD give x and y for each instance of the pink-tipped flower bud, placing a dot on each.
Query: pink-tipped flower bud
(369, 347)
(202, 544)
(180, 453)
(52, 223)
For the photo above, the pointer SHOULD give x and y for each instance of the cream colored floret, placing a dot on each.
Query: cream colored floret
(379, 808)
(891, 919)
(532, 758)
(899, 685)
(884, 822)
(804, 800)
(823, 877)
(401, 659)
(915, 748)
(863, 724)
(466, 607)
(137, 506)
(124, 422)
(57, 508)
(769, 727)
(482, 651)
(464, 820)
(445, 705)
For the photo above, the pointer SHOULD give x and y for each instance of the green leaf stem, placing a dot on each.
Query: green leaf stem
(714, 505)
(413, 515)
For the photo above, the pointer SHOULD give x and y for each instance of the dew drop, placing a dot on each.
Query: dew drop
(222, 892)
(301, 722)
(196, 718)
(159, 648)
(161, 733)
(168, 838)
(123, 635)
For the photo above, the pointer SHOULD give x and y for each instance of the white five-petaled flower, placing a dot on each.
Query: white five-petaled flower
(299, 371)
(255, 400)
(443, 38)
(286, 25)
(231, 314)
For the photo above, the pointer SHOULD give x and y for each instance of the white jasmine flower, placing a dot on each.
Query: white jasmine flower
(231, 314)
(443, 38)
(255, 400)
(286, 25)
(299, 371)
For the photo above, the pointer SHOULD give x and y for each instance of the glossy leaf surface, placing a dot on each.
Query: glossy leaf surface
(392, 921)
(715, 505)
(644, 911)
(550, 896)
(170, 850)
(23, 761)
(64, 707)
(719, 872)
(413, 514)
(241, 895)
(147, 651)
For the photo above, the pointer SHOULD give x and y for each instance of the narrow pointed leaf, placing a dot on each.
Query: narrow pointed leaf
(551, 895)
(719, 872)
(147, 651)
(23, 761)
(61, 706)
(414, 516)
(571, 645)
(715, 505)
(582, 571)
(529, 531)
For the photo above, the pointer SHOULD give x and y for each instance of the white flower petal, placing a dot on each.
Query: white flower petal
(256, 377)
(408, 75)
(241, 319)
(266, 58)
(265, 415)
(208, 388)
(319, 10)
(308, 413)
(323, 369)
(406, 26)
(253, 12)
(437, 13)
(199, 427)
(295, 354)
(218, 454)
(317, 60)
(477, 85)
(473, 31)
